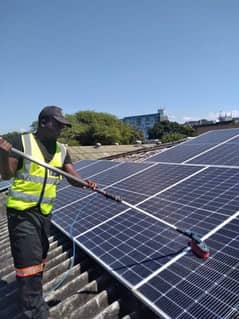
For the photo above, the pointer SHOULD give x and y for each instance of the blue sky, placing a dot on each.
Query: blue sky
(124, 57)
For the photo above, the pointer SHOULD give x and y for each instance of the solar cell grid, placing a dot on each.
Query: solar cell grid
(179, 154)
(91, 210)
(183, 217)
(226, 154)
(69, 195)
(157, 178)
(97, 167)
(151, 179)
(86, 213)
(215, 189)
(133, 197)
(119, 172)
(88, 168)
(215, 136)
(79, 165)
(136, 245)
(84, 163)
(187, 286)
(189, 149)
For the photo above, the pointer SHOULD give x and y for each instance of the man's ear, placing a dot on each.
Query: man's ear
(43, 122)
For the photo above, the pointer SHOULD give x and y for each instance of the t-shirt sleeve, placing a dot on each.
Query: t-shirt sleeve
(16, 142)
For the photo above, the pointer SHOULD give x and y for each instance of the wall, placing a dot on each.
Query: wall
(217, 126)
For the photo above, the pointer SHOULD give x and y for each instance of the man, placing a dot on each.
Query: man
(30, 202)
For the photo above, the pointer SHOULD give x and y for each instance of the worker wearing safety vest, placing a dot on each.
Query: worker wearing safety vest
(30, 202)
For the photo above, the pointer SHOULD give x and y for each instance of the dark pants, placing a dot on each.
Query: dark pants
(29, 231)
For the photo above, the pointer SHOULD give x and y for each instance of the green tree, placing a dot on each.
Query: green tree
(10, 135)
(90, 127)
(170, 137)
(166, 131)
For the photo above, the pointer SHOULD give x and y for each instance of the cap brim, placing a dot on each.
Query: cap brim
(62, 120)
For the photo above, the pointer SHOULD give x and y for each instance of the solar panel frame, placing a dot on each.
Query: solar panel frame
(4, 185)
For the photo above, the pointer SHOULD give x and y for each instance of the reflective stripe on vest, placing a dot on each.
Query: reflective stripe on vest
(36, 179)
(33, 184)
(29, 271)
(28, 197)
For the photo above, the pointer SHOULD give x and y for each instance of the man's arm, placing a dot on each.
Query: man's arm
(8, 164)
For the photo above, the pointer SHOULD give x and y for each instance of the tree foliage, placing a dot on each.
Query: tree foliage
(34, 126)
(10, 135)
(170, 131)
(90, 127)
(170, 137)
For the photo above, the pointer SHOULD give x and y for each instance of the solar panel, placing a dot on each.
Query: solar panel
(213, 189)
(196, 146)
(96, 167)
(68, 195)
(157, 177)
(85, 214)
(216, 136)
(183, 216)
(186, 186)
(226, 154)
(133, 246)
(84, 163)
(179, 153)
(120, 172)
(191, 288)
(87, 168)
(108, 173)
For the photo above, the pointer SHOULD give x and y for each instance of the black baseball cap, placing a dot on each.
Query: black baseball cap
(53, 112)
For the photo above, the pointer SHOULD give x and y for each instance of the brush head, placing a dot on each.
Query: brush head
(199, 248)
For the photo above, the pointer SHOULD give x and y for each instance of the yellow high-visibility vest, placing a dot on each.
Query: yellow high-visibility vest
(34, 185)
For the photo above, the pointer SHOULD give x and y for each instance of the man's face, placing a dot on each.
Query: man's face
(52, 128)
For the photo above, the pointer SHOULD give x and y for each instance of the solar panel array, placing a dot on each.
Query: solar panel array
(198, 146)
(195, 186)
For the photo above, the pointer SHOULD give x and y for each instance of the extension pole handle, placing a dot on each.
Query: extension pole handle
(63, 173)
(50, 167)
(83, 183)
